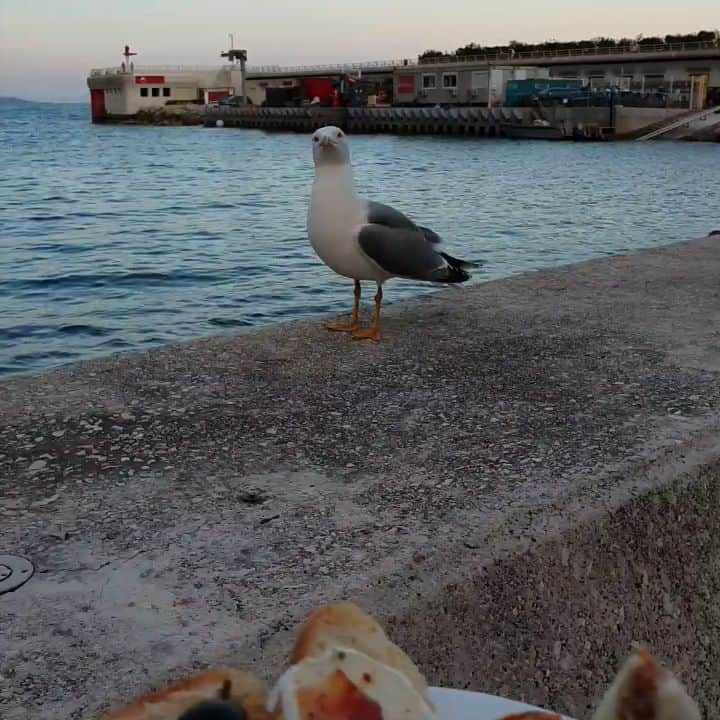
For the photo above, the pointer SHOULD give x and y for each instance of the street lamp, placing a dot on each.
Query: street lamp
(237, 56)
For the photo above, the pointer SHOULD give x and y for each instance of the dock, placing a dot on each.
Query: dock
(400, 121)
(467, 121)
(519, 481)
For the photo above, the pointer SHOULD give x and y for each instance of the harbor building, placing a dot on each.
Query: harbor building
(124, 90)
(670, 76)
(687, 74)
(459, 83)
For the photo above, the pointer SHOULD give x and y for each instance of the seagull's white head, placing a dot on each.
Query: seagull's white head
(330, 146)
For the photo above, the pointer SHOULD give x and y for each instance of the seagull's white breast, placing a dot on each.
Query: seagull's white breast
(336, 215)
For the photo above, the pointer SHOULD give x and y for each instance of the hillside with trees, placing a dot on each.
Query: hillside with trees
(514, 46)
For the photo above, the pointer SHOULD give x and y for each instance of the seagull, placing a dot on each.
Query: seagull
(366, 240)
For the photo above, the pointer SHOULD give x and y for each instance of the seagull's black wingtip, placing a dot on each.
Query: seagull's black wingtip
(457, 269)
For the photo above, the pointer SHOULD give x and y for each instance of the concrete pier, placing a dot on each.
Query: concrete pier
(519, 481)
(592, 122)
(402, 121)
(475, 121)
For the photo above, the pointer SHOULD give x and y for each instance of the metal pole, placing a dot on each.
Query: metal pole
(489, 101)
(242, 80)
(692, 89)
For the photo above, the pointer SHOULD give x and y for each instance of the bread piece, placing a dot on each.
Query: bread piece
(242, 690)
(643, 690)
(346, 625)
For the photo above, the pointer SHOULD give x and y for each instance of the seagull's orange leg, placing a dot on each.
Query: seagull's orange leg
(352, 325)
(372, 333)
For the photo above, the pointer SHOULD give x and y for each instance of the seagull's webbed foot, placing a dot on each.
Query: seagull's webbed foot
(353, 324)
(373, 332)
(368, 334)
(340, 327)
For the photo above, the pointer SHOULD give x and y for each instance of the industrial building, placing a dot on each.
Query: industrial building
(684, 75)
(687, 74)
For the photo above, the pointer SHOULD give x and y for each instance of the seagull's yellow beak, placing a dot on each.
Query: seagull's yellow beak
(327, 141)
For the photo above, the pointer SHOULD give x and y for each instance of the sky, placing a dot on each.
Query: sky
(48, 46)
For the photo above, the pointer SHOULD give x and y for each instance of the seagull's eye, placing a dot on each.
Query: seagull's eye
(316, 138)
(339, 134)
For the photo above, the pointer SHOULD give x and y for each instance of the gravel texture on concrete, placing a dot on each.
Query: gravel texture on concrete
(519, 480)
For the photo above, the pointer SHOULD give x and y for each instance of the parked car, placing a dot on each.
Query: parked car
(231, 100)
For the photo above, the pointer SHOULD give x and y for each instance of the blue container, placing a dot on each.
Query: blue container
(521, 92)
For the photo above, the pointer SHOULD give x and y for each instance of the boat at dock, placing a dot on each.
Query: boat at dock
(543, 130)
(534, 131)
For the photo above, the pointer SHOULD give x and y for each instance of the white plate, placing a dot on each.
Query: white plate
(466, 705)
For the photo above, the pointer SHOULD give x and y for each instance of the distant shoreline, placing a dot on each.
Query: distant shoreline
(23, 101)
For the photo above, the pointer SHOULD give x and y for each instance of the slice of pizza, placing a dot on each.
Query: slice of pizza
(643, 690)
(221, 694)
(344, 667)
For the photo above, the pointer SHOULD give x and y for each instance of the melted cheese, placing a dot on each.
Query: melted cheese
(345, 684)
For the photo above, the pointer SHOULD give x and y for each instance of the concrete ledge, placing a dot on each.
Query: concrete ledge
(552, 624)
(519, 480)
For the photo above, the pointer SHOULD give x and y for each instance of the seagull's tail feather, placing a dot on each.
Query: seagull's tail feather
(456, 270)
(462, 264)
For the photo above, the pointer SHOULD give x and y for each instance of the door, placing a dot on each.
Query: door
(97, 104)
(698, 91)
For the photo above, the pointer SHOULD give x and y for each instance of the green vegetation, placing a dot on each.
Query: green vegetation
(473, 49)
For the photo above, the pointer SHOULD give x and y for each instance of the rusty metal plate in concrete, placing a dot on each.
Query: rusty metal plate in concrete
(14, 572)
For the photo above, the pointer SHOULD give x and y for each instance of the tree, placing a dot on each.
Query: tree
(431, 54)
(471, 49)
(651, 41)
(515, 46)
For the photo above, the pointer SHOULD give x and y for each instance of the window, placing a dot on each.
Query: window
(156, 92)
(429, 82)
(166, 92)
(449, 80)
(653, 82)
(143, 92)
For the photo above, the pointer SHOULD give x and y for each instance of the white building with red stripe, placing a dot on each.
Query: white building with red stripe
(123, 91)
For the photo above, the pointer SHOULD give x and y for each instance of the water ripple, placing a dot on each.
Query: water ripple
(119, 242)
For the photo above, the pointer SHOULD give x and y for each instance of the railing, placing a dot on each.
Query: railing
(685, 119)
(336, 67)
(634, 49)
(488, 57)
(148, 69)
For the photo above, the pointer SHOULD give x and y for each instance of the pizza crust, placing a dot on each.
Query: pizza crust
(346, 625)
(642, 690)
(246, 692)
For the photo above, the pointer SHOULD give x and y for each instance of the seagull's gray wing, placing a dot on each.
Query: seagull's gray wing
(406, 252)
(386, 215)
